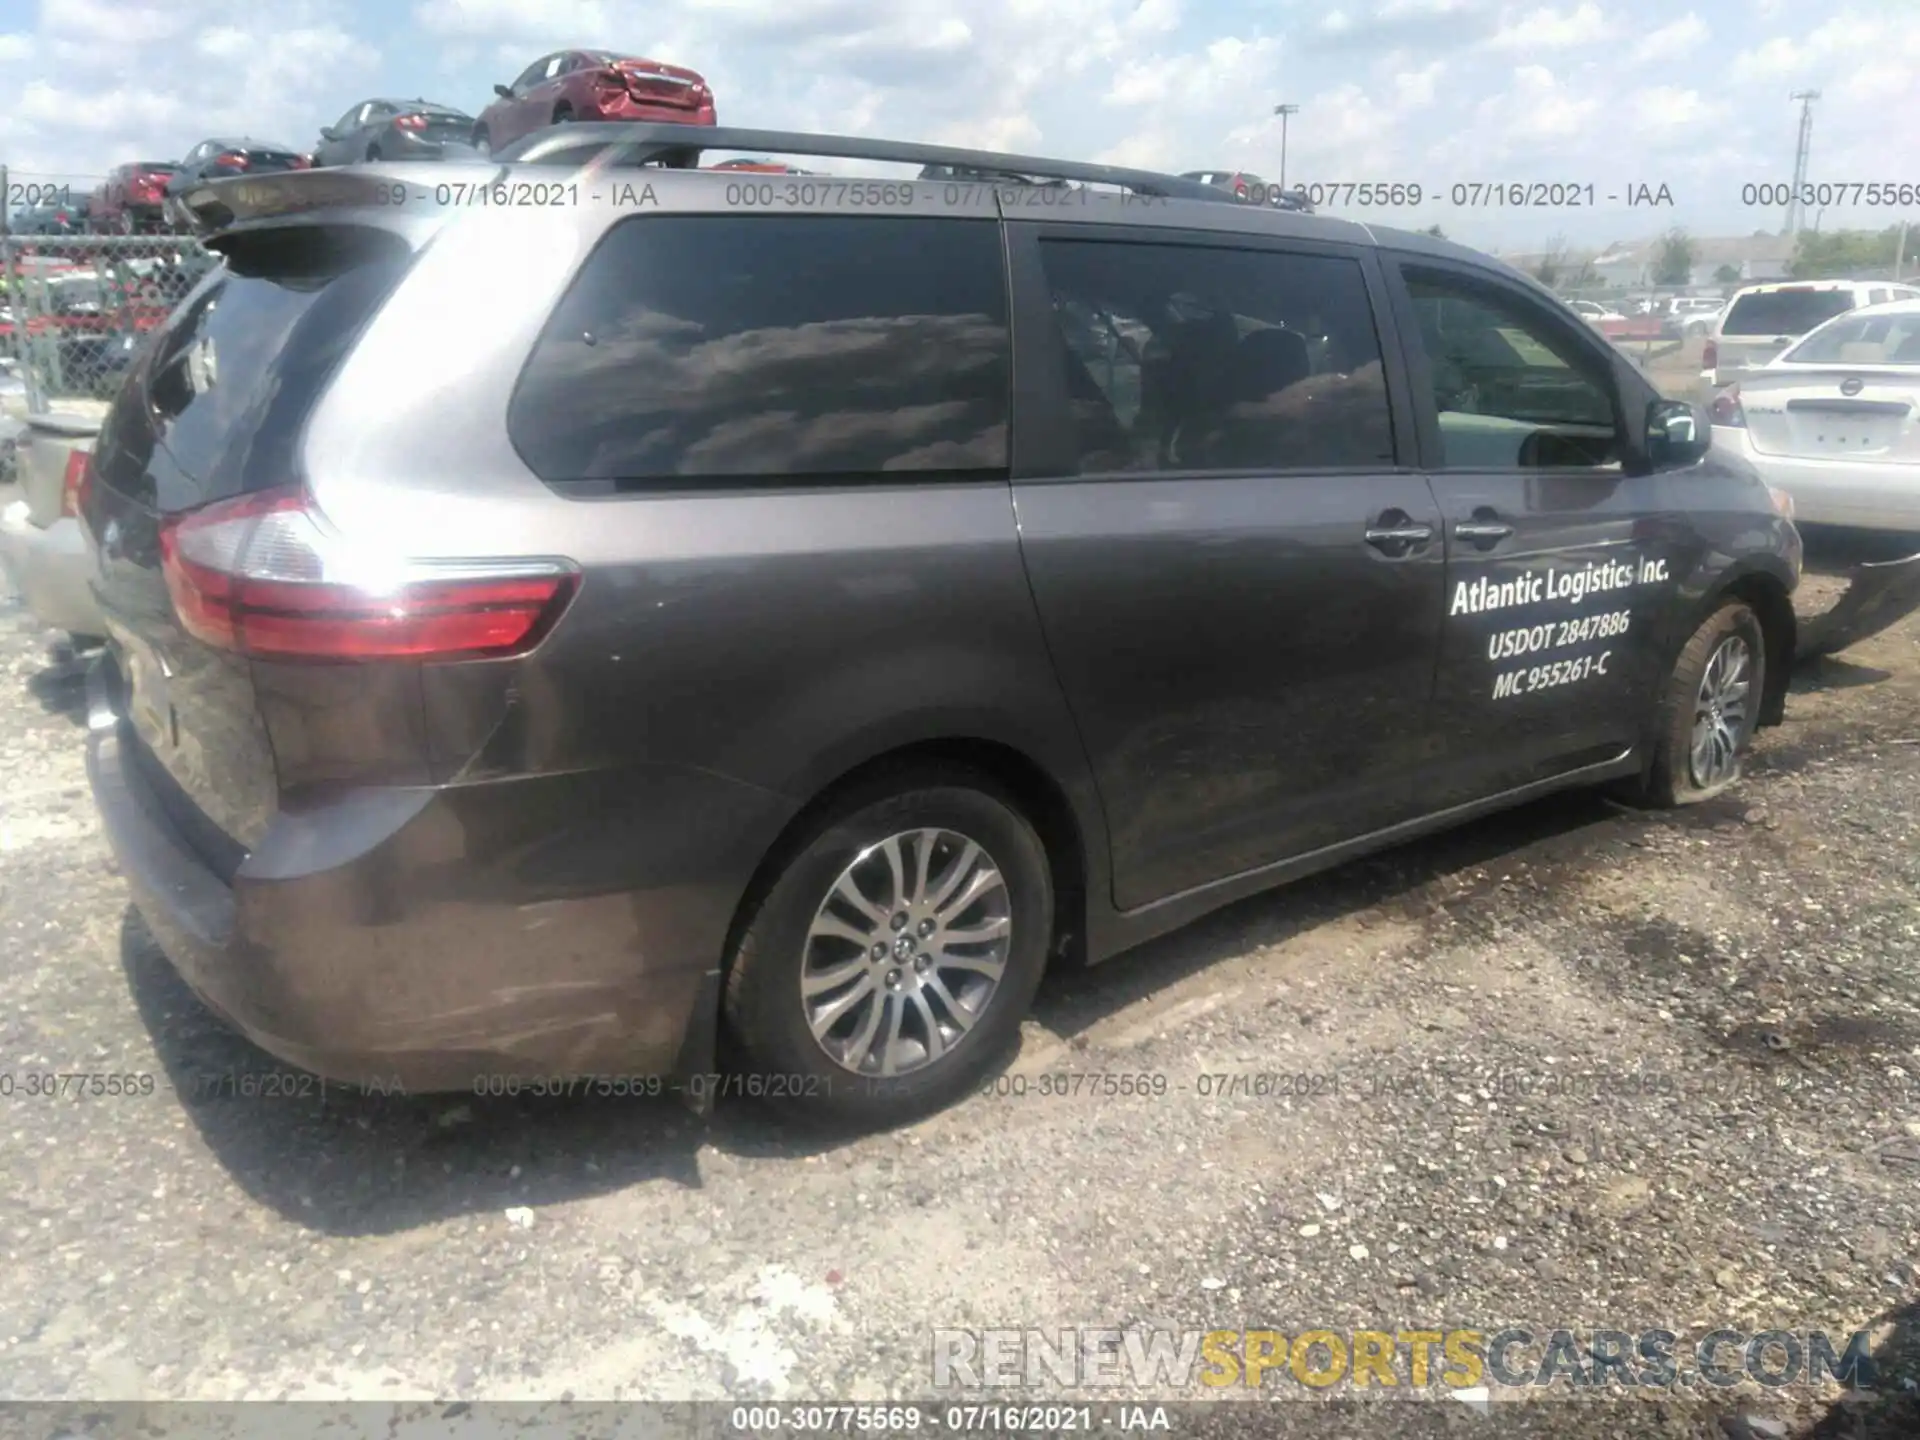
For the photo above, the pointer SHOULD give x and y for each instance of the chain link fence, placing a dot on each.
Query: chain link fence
(74, 311)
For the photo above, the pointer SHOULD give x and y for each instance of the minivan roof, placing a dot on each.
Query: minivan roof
(296, 196)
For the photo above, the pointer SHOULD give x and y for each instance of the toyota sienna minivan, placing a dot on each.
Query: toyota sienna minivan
(795, 611)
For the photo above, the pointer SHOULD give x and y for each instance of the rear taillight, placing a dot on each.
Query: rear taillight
(73, 486)
(1240, 188)
(1725, 409)
(1710, 355)
(262, 576)
(232, 160)
(409, 122)
(301, 162)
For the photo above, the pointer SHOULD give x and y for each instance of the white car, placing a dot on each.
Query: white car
(1835, 420)
(42, 549)
(1694, 314)
(1762, 321)
(1593, 312)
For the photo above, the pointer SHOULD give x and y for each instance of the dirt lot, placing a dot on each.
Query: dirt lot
(1576, 1066)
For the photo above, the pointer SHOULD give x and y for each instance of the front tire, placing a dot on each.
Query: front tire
(1709, 709)
(886, 968)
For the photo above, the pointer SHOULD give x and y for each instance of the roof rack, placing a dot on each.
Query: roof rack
(649, 144)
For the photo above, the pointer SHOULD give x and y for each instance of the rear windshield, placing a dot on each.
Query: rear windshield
(240, 364)
(1785, 312)
(1863, 339)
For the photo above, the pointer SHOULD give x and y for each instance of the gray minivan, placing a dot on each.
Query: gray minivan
(567, 613)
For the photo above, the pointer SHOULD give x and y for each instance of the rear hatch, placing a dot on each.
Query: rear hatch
(266, 158)
(437, 122)
(1763, 323)
(148, 183)
(652, 83)
(212, 412)
(1851, 392)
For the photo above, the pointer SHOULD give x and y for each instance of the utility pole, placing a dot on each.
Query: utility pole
(1900, 251)
(1806, 99)
(1283, 111)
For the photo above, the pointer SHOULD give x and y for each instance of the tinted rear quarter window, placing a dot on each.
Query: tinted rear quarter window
(1191, 357)
(241, 363)
(1785, 312)
(707, 349)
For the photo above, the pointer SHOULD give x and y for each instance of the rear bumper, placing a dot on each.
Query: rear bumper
(1854, 493)
(49, 568)
(405, 145)
(387, 939)
(640, 111)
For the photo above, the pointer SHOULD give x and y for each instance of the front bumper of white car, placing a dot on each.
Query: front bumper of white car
(49, 568)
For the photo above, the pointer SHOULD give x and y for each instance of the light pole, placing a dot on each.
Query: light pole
(1283, 111)
(1794, 208)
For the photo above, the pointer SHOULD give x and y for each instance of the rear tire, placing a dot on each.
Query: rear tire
(1708, 710)
(849, 1017)
(373, 154)
(482, 141)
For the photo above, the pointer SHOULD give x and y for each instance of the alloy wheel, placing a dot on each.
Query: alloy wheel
(905, 952)
(1720, 713)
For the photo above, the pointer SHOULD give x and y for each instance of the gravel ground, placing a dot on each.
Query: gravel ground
(1574, 1066)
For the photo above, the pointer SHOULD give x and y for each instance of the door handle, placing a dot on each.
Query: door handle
(1396, 532)
(1486, 528)
(1481, 531)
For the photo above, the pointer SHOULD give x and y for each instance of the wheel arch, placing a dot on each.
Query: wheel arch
(1772, 604)
(1040, 796)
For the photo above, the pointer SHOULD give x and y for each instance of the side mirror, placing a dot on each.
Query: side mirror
(503, 92)
(329, 133)
(1678, 434)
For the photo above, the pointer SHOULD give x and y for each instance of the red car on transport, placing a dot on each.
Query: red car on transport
(593, 85)
(133, 199)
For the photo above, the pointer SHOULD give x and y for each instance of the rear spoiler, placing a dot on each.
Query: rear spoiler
(363, 194)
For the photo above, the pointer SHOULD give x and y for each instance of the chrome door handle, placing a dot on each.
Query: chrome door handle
(1400, 534)
(1481, 531)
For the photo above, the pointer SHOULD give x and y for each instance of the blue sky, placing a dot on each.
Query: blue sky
(1692, 94)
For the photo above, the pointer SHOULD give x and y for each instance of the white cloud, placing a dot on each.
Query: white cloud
(273, 66)
(1666, 110)
(514, 17)
(1670, 42)
(1430, 91)
(115, 25)
(1547, 29)
(1417, 87)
